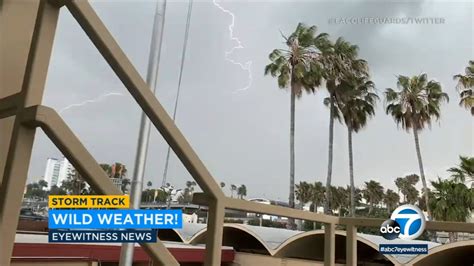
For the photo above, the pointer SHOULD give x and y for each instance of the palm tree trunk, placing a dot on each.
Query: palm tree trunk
(422, 172)
(330, 154)
(291, 200)
(351, 170)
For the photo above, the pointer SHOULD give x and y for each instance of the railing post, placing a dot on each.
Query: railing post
(329, 244)
(16, 42)
(25, 59)
(351, 245)
(215, 228)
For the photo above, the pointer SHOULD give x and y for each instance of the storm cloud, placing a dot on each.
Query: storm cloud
(243, 138)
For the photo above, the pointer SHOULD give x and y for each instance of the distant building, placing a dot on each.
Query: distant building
(117, 182)
(51, 173)
(56, 171)
(65, 170)
(268, 202)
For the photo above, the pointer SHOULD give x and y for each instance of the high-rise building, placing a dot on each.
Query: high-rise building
(66, 169)
(56, 171)
(51, 173)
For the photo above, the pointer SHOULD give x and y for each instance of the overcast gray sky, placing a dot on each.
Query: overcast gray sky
(243, 137)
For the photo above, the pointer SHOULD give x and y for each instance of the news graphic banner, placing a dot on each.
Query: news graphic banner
(106, 219)
(102, 236)
(403, 249)
(406, 223)
(115, 219)
(89, 201)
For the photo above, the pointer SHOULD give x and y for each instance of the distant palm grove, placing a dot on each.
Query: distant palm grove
(311, 61)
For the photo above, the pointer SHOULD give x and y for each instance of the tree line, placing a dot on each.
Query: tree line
(311, 61)
(451, 199)
(240, 191)
(74, 184)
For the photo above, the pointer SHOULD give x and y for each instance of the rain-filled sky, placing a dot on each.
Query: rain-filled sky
(242, 136)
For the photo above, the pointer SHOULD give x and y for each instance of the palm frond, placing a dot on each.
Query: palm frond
(416, 102)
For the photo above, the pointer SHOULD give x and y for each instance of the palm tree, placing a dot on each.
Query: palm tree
(373, 193)
(232, 189)
(446, 206)
(414, 106)
(118, 170)
(356, 106)
(36, 190)
(400, 183)
(391, 200)
(303, 192)
(74, 183)
(188, 191)
(406, 185)
(107, 169)
(412, 195)
(43, 184)
(339, 199)
(314, 193)
(357, 198)
(421, 199)
(55, 190)
(317, 195)
(296, 68)
(242, 191)
(339, 61)
(466, 87)
(464, 172)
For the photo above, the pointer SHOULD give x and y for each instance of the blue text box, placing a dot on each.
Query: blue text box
(403, 248)
(115, 219)
(102, 236)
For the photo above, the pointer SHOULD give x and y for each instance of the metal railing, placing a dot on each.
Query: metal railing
(29, 27)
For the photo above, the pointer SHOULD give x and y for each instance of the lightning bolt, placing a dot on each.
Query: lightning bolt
(94, 100)
(247, 66)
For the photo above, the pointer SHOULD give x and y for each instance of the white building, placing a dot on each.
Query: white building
(65, 170)
(51, 173)
(117, 182)
(56, 171)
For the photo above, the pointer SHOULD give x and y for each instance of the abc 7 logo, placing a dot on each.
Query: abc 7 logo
(390, 229)
(407, 222)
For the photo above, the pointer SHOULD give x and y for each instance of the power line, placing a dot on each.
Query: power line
(183, 57)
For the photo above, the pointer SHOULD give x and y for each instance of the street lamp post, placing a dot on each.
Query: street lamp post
(126, 254)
